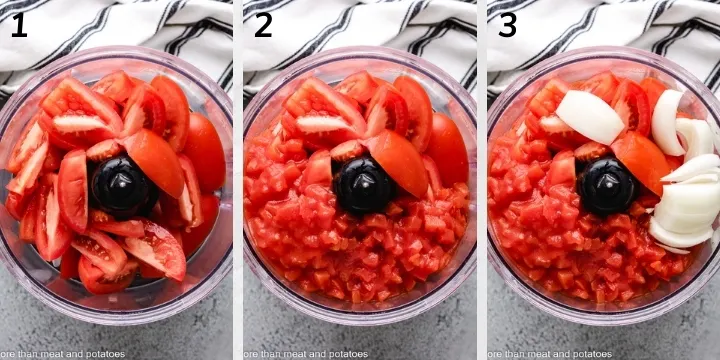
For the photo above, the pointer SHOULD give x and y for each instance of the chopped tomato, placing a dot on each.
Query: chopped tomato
(359, 86)
(71, 97)
(73, 190)
(558, 134)
(97, 282)
(177, 111)
(69, 264)
(447, 148)
(191, 241)
(631, 104)
(643, 158)
(157, 160)
(52, 236)
(546, 101)
(189, 202)
(401, 160)
(346, 151)
(590, 151)
(159, 249)
(205, 150)
(144, 109)
(27, 177)
(30, 140)
(653, 88)
(387, 109)
(104, 222)
(318, 170)
(562, 170)
(420, 111)
(104, 150)
(116, 86)
(603, 85)
(102, 251)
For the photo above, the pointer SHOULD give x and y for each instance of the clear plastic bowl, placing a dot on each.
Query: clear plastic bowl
(139, 304)
(579, 65)
(447, 96)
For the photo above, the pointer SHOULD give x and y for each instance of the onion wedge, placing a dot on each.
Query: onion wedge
(663, 123)
(676, 240)
(698, 165)
(698, 136)
(590, 116)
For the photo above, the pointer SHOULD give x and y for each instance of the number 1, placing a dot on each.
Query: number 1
(19, 33)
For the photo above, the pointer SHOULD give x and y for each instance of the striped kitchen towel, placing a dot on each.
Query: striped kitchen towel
(198, 31)
(684, 31)
(443, 32)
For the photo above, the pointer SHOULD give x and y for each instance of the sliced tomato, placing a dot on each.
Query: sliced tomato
(157, 160)
(104, 150)
(433, 174)
(29, 219)
(30, 140)
(315, 97)
(63, 142)
(72, 131)
(117, 86)
(318, 169)
(359, 86)
(387, 110)
(73, 190)
(643, 158)
(603, 85)
(97, 282)
(346, 151)
(191, 241)
(189, 202)
(52, 236)
(447, 149)
(546, 101)
(170, 212)
(27, 177)
(177, 111)
(159, 249)
(590, 151)
(401, 161)
(69, 264)
(420, 111)
(381, 81)
(16, 204)
(144, 109)
(631, 104)
(72, 97)
(562, 170)
(102, 251)
(205, 150)
(102, 221)
(53, 159)
(653, 88)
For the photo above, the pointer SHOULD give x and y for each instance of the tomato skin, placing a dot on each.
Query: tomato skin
(631, 103)
(28, 221)
(73, 97)
(102, 251)
(144, 108)
(52, 236)
(30, 139)
(447, 148)
(420, 111)
(401, 160)
(191, 241)
(17, 204)
(603, 85)
(359, 86)
(387, 109)
(315, 97)
(117, 86)
(98, 283)
(643, 158)
(157, 160)
(190, 204)
(73, 190)
(653, 88)
(205, 151)
(159, 249)
(28, 175)
(69, 264)
(177, 110)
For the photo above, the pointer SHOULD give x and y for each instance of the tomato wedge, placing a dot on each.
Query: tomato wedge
(189, 202)
(98, 282)
(433, 176)
(447, 149)
(420, 111)
(318, 169)
(73, 190)
(558, 134)
(30, 139)
(359, 86)
(102, 251)
(347, 151)
(157, 160)
(205, 151)
(116, 86)
(69, 264)
(52, 236)
(70, 132)
(104, 150)
(546, 101)
(27, 177)
(177, 111)
(643, 158)
(631, 104)
(71, 97)
(387, 109)
(159, 249)
(401, 160)
(191, 241)
(603, 85)
(29, 219)
(53, 159)
(99, 220)
(16, 204)
(653, 88)
(144, 109)
(562, 170)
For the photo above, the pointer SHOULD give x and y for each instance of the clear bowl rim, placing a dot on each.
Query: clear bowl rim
(527, 292)
(54, 301)
(298, 302)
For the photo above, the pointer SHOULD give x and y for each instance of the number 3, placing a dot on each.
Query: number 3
(510, 24)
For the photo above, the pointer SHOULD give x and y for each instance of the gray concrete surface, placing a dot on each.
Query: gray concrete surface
(446, 332)
(202, 332)
(688, 332)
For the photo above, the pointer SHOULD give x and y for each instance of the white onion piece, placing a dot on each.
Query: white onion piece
(316, 124)
(709, 177)
(675, 220)
(663, 123)
(698, 136)
(700, 164)
(590, 116)
(699, 198)
(678, 240)
(672, 249)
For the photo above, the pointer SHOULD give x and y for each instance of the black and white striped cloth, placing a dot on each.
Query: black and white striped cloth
(685, 31)
(443, 32)
(198, 31)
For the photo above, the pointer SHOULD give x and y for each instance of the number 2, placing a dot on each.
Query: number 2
(510, 24)
(19, 33)
(268, 19)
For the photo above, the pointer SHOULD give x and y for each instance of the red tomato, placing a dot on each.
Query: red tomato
(102, 251)
(104, 150)
(433, 176)
(387, 110)
(558, 134)
(603, 85)
(17, 204)
(590, 151)
(315, 97)
(74, 133)
(191, 241)
(69, 264)
(159, 249)
(674, 161)
(205, 151)
(144, 109)
(189, 202)
(53, 159)
(346, 151)
(381, 81)
(177, 111)
(73, 190)
(631, 104)
(27, 177)
(30, 139)
(104, 222)
(29, 219)
(72, 97)
(359, 86)
(52, 236)
(546, 101)
(643, 158)
(653, 89)
(447, 148)
(46, 124)
(318, 169)
(157, 160)
(98, 282)
(401, 160)
(116, 86)
(562, 170)
(420, 111)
